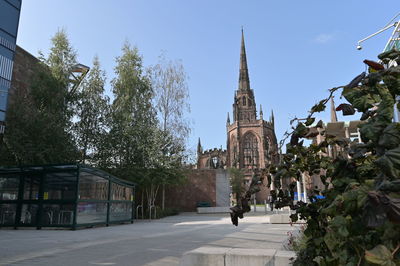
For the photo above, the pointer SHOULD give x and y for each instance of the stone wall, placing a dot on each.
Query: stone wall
(203, 185)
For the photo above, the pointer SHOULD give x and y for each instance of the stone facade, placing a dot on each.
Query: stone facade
(210, 159)
(251, 141)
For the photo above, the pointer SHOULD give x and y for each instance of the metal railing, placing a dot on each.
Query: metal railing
(153, 207)
(137, 211)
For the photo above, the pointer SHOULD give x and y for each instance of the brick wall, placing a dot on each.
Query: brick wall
(200, 186)
(24, 68)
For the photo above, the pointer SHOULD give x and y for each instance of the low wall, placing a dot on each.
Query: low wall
(219, 256)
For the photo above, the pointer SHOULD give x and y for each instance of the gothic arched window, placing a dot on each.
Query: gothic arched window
(250, 151)
(267, 147)
(234, 152)
(244, 100)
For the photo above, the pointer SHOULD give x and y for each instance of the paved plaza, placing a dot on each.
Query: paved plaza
(155, 243)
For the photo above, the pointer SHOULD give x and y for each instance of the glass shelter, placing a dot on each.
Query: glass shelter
(63, 196)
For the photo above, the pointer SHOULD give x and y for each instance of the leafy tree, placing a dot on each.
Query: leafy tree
(38, 120)
(92, 112)
(62, 57)
(237, 182)
(133, 116)
(171, 101)
(134, 136)
(61, 60)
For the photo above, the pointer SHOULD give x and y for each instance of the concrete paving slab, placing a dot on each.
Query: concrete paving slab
(159, 242)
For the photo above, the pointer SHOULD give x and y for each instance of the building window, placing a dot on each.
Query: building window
(215, 162)
(244, 100)
(267, 149)
(250, 151)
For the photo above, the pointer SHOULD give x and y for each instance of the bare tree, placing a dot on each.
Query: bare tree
(169, 81)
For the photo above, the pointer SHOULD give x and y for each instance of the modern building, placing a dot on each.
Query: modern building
(251, 140)
(9, 20)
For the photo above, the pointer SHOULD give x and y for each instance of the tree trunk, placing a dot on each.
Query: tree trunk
(163, 197)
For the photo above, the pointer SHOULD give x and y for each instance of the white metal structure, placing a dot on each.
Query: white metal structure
(393, 42)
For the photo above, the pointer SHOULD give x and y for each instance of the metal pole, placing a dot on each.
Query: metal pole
(396, 115)
(304, 187)
(298, 190)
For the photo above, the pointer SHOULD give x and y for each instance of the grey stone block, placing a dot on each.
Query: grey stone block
(282, 257)
(204, 256)
(247, 257)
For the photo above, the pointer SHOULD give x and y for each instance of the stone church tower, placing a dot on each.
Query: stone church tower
(251, 141)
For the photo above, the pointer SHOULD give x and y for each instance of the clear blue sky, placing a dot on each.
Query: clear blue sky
(296, 50)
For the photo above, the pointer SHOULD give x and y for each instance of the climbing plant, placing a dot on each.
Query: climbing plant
(357, 221)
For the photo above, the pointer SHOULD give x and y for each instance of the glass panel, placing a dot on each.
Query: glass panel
(60, 186)
(9, 188)
(89, 212)
(3, 100)
(9, 17)
(120, 192)
(120, 211)
(54, 214)
(7, 53)
(31, 187)
(29, 214)
(92, 187)
(7, 213)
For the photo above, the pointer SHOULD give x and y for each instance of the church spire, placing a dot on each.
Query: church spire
(333, 111)
(244, 81)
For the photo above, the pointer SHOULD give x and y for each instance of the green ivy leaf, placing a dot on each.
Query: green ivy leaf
(390, 163)
(294, 217)
(391, 136)
(380, 255)
(309, 121)
(392, 54)
(319, 107)
(355, 81)
(340, 223)
(320, 124)
(359, 98)
(331, 240)
(372, 130)
(393, 84)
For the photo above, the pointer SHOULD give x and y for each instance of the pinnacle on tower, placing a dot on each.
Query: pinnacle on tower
(228, 120)
(199, 148)
(261, 112)
(333, 111)
(244, 81)
(272, 119)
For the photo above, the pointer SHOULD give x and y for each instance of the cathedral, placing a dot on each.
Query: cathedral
(251, 140)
